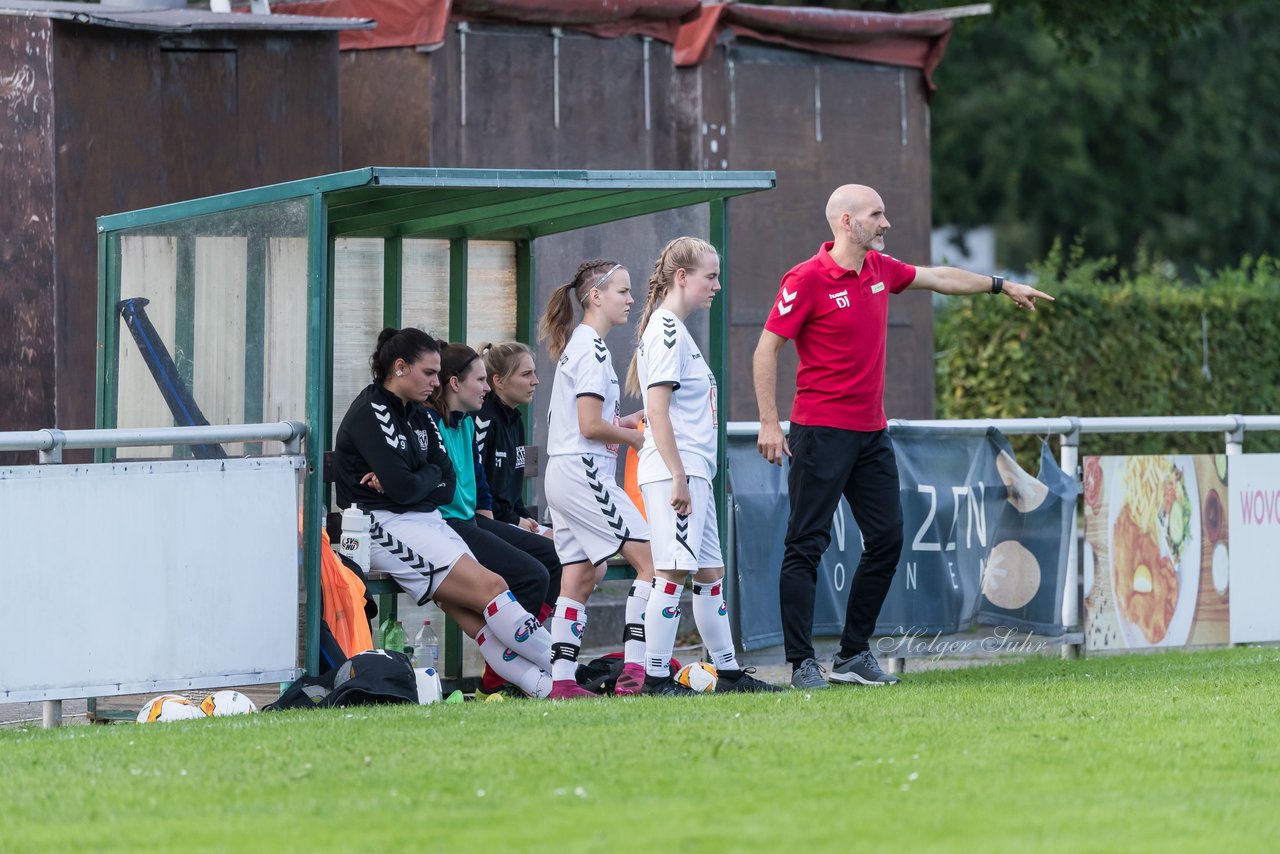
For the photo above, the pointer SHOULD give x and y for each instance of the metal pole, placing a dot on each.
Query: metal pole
(52, 709)
(1069, 459)
(1235, 438)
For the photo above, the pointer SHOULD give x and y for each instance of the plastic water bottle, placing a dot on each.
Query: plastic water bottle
(393, 637)
(355, 536)
(426, 647)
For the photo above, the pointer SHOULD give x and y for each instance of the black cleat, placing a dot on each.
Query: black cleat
(665, 686)
(742, 681)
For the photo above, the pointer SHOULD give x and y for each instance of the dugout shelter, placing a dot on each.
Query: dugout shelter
(269, 300)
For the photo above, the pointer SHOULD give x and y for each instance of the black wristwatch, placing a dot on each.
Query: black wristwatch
(997, 284)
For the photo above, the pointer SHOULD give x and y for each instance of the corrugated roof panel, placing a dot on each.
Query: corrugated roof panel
(174, 20)
(497, 203)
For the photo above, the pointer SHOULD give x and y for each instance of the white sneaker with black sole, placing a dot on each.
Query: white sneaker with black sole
(861, 669)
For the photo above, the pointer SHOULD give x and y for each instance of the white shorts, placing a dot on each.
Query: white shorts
(686, 543)
(417, 549)
(590, 514)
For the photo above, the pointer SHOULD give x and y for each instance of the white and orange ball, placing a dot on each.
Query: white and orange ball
(221, 704)
(699, 676)
(169, 707)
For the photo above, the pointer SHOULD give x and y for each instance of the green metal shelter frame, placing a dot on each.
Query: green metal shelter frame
(394, 204)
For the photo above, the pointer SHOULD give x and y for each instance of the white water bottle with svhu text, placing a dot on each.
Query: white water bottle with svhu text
(355, 536)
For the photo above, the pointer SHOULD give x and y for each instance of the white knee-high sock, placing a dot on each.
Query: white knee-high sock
(518, 630)
(661, 621)
(568, 623)
(712, 618)
(519, 671)
(633, 632)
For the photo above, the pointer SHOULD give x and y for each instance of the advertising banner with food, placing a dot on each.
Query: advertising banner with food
(1254, 489)
(1154, 527)
(983, 541)
(1024, 573)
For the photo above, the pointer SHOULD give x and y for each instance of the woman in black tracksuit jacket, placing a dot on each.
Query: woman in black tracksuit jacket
(500, 433)
(527, 562)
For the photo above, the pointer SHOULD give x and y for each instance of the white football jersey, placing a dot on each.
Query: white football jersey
(668, 355)
(585, 368)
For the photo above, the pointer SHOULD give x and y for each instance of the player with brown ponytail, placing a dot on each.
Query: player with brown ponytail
(591, 515)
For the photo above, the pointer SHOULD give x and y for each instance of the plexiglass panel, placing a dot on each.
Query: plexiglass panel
(357, 316)
(491, 291)
(424, 290)
(226, 300)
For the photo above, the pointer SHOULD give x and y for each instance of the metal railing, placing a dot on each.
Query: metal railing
(52, 442)
(1069, 429)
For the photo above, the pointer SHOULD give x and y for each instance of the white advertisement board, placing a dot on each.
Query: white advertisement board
(145, 577)
(1255, 547)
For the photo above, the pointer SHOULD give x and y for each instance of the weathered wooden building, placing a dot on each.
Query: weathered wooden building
(821, 97)
(109, 109)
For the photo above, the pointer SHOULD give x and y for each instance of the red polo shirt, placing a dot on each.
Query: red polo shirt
(839, 320)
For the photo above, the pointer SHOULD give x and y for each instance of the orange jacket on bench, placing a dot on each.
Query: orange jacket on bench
(342, 592)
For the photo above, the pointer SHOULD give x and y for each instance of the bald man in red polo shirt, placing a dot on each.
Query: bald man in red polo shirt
(835, 306)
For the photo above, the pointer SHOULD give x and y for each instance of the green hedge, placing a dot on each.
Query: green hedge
(1118, 344)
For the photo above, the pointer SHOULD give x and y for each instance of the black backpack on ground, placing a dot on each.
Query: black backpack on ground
(600, 675)
(375, 677)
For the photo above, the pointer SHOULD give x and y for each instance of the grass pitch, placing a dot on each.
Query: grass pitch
(1156, 752)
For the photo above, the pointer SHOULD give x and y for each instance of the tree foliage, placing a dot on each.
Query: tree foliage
(1136, 150)
(1140, 344)
(1141, 129)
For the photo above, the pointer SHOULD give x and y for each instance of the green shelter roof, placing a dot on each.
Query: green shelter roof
(471, 203)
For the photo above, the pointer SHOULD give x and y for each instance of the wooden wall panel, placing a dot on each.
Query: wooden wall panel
(27, 311)
(819, 122)
(510, 89)
(145, 119)
(386, 108)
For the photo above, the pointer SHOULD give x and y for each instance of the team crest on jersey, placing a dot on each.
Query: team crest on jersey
(424, 440)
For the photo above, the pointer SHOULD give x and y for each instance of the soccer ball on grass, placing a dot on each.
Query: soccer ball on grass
(169, 707)
(221, 704)
(699, 676)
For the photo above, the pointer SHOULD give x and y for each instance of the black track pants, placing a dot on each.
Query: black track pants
(524, 574)
(827, 462)
(536, 545)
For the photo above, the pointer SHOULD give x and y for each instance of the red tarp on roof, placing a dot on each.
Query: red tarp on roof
(912, 41)
(406, 23)
(907, 40)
